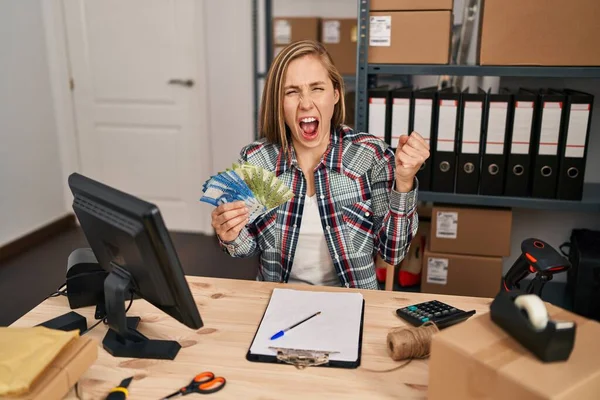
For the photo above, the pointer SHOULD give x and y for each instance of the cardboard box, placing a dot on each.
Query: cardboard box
(476, 359)
(409, 37)
(461, 275)
(408, 5)
(540, 32)
(66, 369)
(339, 38)
(474, 231)
(288, 30)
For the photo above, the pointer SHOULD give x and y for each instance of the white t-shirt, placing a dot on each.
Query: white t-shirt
(312, 262)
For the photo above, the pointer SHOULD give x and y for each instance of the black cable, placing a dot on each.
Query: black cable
(93, 326)
(59, 292)
(104, 318)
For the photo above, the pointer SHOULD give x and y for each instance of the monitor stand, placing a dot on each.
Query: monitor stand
(122, 338)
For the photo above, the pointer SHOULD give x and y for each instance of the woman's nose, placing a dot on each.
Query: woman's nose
(306, 102)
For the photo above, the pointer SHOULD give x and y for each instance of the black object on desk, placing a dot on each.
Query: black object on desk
(554, 342)
(442, 314)
(67, 322)
(130, 241)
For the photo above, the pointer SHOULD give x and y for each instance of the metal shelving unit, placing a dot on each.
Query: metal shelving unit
(268, 26)
(366, 77)
(485, 70)
(589, 203)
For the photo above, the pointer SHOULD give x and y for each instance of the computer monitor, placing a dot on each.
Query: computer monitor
(130, 241)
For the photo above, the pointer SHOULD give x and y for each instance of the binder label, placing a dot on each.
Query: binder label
(380, 31)
(446, 225)
(447, 125)
(437, 270)
(283, 32)
(400, 114)
(522, 127)
(496, 129)
(577, 130)
(423, 118)
(331, 32)
(471, 127)
(377, 111)
(550, 129)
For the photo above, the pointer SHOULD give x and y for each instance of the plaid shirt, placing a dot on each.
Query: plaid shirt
(360, 212)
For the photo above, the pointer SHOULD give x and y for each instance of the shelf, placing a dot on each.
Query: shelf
(485, 70)
(589, 203)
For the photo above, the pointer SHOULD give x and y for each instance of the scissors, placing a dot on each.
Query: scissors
(203, 383)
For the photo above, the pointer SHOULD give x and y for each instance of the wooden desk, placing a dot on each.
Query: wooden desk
(231, 311)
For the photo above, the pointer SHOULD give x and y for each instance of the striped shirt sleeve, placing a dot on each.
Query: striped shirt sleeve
(242, 246)
(395, 215)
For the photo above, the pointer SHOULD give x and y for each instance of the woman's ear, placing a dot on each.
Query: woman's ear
(336, 95)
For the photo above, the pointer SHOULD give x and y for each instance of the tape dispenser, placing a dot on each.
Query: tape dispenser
(523, 315)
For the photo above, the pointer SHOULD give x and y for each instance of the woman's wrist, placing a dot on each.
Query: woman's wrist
(403, 186)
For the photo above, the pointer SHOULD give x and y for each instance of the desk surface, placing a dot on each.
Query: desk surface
(231, 311)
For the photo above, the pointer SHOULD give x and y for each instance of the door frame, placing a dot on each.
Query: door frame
(62, 96)
(63, 100)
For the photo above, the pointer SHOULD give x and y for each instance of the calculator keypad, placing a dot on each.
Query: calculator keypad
(428, 311)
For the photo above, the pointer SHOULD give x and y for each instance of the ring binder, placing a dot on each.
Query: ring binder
(303, 358)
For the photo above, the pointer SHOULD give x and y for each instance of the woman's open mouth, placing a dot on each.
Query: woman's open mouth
(309, 127)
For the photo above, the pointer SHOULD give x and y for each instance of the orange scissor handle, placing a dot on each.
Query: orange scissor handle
(212, 385)
(204, 377)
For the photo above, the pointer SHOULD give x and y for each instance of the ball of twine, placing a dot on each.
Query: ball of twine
(411, 342)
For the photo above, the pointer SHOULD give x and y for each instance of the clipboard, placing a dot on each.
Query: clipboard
(300, 348)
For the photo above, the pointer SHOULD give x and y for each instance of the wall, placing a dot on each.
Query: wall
(230, 79)
(31, 191)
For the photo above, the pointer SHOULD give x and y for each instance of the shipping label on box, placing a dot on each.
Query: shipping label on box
(380, 31)
(446, 224)
(437, 270)
(331, 32)
(283, 32)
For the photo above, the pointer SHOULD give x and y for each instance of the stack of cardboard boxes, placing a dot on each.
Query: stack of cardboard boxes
(465, 250)
(338, 35)
(410, 31)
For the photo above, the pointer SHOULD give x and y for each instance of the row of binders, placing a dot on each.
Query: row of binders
(520, 143)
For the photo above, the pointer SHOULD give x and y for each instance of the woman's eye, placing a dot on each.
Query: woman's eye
(319, 89)
(290, 92)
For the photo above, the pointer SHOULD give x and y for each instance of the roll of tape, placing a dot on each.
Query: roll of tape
(535, 308)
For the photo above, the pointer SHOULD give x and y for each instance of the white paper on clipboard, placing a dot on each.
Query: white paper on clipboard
(336, 329)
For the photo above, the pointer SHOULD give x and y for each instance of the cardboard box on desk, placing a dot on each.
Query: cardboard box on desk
(409, 37)
(339, 38)
(287, 30)
(473, 231)
(64, 371)
(540, 32)
(476, 359)
(461, 275)
(411, 5)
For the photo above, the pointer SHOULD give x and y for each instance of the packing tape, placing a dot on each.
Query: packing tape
(535, 308)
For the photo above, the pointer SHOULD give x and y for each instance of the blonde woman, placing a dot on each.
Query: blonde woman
(354, 197)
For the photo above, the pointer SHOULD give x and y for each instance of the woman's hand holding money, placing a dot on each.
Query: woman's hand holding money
(228, 220)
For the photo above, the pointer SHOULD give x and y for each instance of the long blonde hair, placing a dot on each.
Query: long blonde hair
(271, 119)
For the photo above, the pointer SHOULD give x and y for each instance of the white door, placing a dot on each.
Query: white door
(139, 87)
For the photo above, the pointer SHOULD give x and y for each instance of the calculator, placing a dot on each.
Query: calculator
(442, 314)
